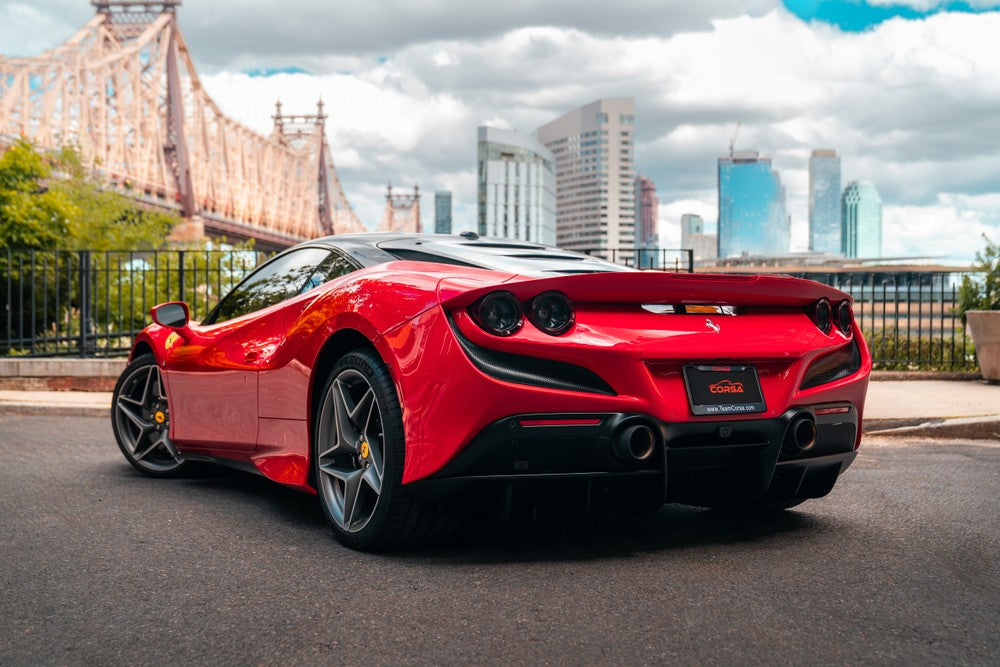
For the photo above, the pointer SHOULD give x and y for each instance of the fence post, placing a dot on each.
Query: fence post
(180, 275)
(690, 254)
(84, 278)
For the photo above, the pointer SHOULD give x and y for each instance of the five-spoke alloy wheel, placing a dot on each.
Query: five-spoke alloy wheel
(140, 416)
(358, 450)
(350, 453)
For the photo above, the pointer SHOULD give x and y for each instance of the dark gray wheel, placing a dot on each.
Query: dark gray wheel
(140, 418)
(358, 449)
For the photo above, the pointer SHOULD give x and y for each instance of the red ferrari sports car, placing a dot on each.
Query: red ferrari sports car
(400, 377)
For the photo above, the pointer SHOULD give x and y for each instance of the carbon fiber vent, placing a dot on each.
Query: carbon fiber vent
(533, 371)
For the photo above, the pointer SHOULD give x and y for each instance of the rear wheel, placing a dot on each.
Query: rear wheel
(358, 450)
(140, 418)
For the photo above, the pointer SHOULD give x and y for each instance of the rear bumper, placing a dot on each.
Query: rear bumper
(700, 463)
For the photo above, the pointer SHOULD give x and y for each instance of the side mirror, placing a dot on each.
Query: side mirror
(174, 314)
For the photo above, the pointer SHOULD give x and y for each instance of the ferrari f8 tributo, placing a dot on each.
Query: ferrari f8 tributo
(399, 377)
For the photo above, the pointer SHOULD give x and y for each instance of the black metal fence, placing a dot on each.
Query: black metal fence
(88, 303)
(93, 303)
(678, 260)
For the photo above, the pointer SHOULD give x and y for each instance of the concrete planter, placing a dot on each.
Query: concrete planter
(985, 328)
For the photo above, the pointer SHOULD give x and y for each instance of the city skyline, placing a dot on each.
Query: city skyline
(908, 98)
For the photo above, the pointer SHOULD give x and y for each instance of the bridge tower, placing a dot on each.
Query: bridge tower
(402, 211)
(306, 133)
(124, 90)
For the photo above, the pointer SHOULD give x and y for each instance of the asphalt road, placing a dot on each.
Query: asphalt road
(900, 564)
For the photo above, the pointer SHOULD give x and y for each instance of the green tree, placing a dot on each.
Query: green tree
(983, 292)
(105, 219)
(32, 217)
(53, 202)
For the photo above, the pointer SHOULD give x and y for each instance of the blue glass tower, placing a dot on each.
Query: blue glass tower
(442, 213)
(752, 215)
(824, 202)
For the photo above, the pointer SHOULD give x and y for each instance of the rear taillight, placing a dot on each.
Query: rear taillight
(845, 318)
(499, 313)
(551, 312)
(822, 315)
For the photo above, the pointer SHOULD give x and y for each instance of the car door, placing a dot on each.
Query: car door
(213, 376)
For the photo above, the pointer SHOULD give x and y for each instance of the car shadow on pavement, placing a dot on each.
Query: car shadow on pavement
(569, 536)
(215, 485)
(542, 534)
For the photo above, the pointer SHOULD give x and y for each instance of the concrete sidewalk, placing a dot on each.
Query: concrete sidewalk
(935, 408)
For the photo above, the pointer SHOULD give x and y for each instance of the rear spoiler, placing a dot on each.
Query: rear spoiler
(651, 287)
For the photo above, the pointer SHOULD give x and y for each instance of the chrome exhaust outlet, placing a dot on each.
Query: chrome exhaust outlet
(801, 435)
(634, 443)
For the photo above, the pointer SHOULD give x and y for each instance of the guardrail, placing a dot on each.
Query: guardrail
(91, 304)
(87, 303)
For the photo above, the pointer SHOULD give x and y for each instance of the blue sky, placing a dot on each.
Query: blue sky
(856, 15)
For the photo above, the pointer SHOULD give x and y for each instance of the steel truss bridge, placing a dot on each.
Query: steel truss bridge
(125, 92)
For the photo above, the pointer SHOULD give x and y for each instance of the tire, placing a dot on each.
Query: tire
(357, 459)
(140, 419)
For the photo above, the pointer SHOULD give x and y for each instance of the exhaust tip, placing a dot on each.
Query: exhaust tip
(635, 443)
(801, 435)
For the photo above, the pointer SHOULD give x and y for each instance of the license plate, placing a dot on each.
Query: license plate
(723, 390)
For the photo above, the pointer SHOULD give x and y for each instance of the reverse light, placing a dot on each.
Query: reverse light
(822, 315)
(498, 313)
(551, 312)
(845, 317)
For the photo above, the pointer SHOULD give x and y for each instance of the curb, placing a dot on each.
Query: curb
(49, 410)
(986, 427)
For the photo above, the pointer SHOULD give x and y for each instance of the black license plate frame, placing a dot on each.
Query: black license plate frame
(723, 389)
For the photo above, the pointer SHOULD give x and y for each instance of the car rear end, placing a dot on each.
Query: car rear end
(704, 389)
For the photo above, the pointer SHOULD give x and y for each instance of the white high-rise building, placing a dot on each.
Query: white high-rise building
(516, 187)
(594, 149)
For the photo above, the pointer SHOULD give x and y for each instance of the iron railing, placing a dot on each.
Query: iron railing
(908, 317)
(87, 303)
(666, 259)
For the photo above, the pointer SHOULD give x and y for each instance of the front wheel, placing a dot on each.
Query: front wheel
(358, 450)
(140, 418)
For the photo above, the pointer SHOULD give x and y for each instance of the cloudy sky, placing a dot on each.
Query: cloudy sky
(907, 91)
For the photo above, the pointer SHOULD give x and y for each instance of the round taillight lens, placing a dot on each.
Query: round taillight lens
(499, 313)
(823, 315)
(845, 317)
(551, 312)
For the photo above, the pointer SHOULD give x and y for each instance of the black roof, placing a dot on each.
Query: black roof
(467, 249)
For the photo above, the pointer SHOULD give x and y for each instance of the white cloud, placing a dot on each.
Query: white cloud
(951, 228)
(912, 105)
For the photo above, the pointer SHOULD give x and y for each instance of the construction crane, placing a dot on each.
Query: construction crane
(732, 141)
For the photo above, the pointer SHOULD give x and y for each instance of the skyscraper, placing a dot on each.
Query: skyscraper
(861, 220)
(693, 237)
(442, 213)
(516, 187)
(647, 218)
(595, 174)
(824, 201)
(752, 215)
